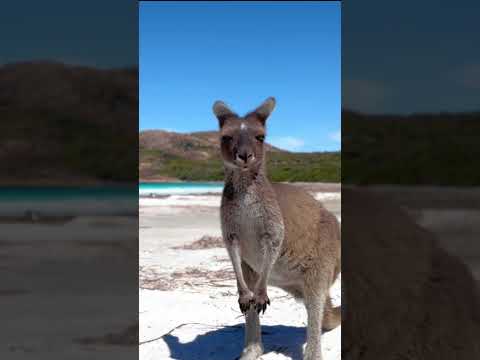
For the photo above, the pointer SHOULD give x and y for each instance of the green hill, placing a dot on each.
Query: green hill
(67, 124)
(195, 157)
(421, 149)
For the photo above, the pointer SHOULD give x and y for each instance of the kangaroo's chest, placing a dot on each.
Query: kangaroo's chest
(250, 216)
(249, 221)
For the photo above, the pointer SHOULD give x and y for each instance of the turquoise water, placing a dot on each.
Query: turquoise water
(146, 189)
(92, 200)
(38, 193)
(51, 200)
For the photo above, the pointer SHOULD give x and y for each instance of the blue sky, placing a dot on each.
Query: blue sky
(192, 54)
(96, 33)
(411, 56)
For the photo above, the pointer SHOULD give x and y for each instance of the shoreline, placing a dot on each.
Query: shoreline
(328, 190)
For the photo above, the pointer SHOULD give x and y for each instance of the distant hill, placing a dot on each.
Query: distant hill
(195, 156)
(197, 145)
(63, 124)
(421, 149)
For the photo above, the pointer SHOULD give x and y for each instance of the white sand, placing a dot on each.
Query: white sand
(201, 314)
(181, 200)
(48, 264)
(209, 200)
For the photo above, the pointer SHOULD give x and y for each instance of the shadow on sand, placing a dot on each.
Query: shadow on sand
(227, 343)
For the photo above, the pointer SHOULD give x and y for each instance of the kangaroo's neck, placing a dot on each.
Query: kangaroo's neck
(240, 181)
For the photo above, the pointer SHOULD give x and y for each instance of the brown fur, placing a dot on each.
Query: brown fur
(275, 234)
(406, 297)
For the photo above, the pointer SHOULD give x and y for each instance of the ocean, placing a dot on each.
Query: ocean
(179, 188)
(180, 194)
(96, 200)
(111, 200)
(68, 201)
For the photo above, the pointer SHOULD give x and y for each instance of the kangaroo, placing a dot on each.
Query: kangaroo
(275, 234)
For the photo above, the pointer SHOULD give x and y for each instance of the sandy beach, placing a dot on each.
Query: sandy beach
(69, 268)
(188, 296)
(188, 300)
(56, 280)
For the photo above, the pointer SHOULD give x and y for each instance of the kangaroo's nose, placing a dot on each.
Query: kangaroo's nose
(245, 156)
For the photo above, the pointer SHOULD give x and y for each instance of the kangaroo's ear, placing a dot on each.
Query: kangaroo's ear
(264, 110)
(222, 112)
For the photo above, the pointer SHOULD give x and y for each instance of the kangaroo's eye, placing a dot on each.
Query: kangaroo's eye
(226, 138)
(260, 137)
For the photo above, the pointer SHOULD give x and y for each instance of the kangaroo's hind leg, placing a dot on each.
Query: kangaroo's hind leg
(253, 337)
(315, 296)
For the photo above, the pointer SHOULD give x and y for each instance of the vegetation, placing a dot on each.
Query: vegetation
(78, 125)
(282, 166)
(420, 149)
(304, 167)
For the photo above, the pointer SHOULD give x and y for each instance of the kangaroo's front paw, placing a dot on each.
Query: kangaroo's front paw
(246, 300)
(261, 300)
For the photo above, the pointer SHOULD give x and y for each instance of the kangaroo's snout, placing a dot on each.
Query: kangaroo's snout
(245, 157)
